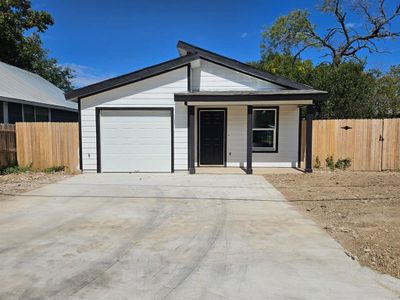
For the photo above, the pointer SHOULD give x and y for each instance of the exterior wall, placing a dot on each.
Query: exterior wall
(157, 91)
(213, 77)
(236, 152)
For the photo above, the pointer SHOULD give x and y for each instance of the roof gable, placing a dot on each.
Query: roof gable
(188, 54)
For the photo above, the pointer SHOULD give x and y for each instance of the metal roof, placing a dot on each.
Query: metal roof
(19, 85)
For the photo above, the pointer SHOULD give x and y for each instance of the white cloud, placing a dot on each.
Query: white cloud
(244, 35)
(353, 25)
(85, 75)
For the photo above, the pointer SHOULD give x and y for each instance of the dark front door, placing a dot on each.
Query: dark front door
(211, 137)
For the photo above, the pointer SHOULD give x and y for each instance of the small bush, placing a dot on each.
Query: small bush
(343, 164)
(330, 163)
(54, 169)
(15, 169)
(317, 163)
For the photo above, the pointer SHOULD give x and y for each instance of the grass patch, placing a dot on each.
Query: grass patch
(21, 169)
(54, 169)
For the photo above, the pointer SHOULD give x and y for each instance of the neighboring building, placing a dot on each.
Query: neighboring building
(27, 97)
(201, 109)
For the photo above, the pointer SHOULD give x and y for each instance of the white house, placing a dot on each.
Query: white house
(200, 109)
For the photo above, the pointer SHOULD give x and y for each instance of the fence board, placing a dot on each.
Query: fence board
(47, 145)
(8, 152)
(362, 143)
(391, 144)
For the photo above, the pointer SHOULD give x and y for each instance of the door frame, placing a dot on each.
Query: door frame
(225, 110)
(98, 133)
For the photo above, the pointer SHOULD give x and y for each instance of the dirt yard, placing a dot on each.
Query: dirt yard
(361, 210)
(17, 183)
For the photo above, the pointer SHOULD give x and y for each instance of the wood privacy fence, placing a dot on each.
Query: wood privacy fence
(45, 145)
(372, 145)
(8, 151)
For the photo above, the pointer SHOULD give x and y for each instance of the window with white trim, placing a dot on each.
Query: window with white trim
(265, 129)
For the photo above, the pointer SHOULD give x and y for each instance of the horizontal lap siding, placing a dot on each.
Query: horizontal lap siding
(156, 91)
(213, 77)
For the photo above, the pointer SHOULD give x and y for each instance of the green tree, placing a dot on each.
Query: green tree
(294, 33)
(21, 46)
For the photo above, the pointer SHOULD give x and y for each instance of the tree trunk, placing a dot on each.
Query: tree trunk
(337, 59)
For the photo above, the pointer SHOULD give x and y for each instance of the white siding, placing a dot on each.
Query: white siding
(213, 77)
(157, 91)
(237, 139)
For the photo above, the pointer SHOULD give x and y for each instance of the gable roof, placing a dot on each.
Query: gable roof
(188, 54)
(19, 85)
(186, 48)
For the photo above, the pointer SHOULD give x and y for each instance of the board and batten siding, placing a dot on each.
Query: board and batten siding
(236, 144)
(213, 77)
(157, 91)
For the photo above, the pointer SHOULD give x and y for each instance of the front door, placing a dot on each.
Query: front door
(212, 137)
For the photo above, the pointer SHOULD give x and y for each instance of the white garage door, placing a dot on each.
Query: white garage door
(135, 140)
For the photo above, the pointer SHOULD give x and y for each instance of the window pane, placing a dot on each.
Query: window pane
(14, 112)
(264, 118)
(28, 113)
(263, 138)
(42, 114)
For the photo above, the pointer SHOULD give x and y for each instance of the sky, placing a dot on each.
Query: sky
(101, 39)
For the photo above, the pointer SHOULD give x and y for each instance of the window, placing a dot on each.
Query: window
(29, 115)
(14, 112)
(42, 114)
(265, 127)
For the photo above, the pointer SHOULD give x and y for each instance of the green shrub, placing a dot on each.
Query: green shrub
(54, 169)
(330, 163)
(16, 169)
(317, 163)
(343, 164)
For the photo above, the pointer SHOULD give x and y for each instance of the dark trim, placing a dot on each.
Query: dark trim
(98, 143)
(276, 130)
(249, 164)
(189, 78)
(309, 127)
(239, 66)
(299, 141)
(80, 135)
(191, 139)
(193, 97)
(132, 77)
(225, 132)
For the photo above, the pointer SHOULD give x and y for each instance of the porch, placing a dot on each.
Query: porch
(247, 132)
(242, 171)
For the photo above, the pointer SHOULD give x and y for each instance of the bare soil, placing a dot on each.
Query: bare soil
(13, 184)
(361, 210)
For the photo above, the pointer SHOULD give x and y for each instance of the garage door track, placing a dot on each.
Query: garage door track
(175, 236)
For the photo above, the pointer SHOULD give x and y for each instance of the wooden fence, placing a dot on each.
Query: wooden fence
(372, 145)
(8, 152)
(45, 145)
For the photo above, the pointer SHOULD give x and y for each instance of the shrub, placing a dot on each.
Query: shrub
(343, 164)
(54, 169)
(330, 163)
(16, 169)
(317, 163)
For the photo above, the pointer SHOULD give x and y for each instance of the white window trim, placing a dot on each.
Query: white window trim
(274, 130)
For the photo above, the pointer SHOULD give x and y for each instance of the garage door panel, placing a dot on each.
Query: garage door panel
(136, 140)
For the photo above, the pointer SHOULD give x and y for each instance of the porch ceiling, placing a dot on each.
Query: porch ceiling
(251, 96)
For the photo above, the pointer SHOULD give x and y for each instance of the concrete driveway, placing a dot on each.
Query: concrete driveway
(156, 236)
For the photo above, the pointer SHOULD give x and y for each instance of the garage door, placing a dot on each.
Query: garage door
(135, 140)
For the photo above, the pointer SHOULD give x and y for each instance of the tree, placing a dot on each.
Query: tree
(21, 46)
(294, 33)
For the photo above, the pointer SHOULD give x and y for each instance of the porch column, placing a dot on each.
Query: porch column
(191, 154)
(249, 167)
(309, 120)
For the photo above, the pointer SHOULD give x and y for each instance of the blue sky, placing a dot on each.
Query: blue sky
(102, 38)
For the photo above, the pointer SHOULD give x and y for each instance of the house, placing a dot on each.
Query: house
(200, 109)
(27, 97)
